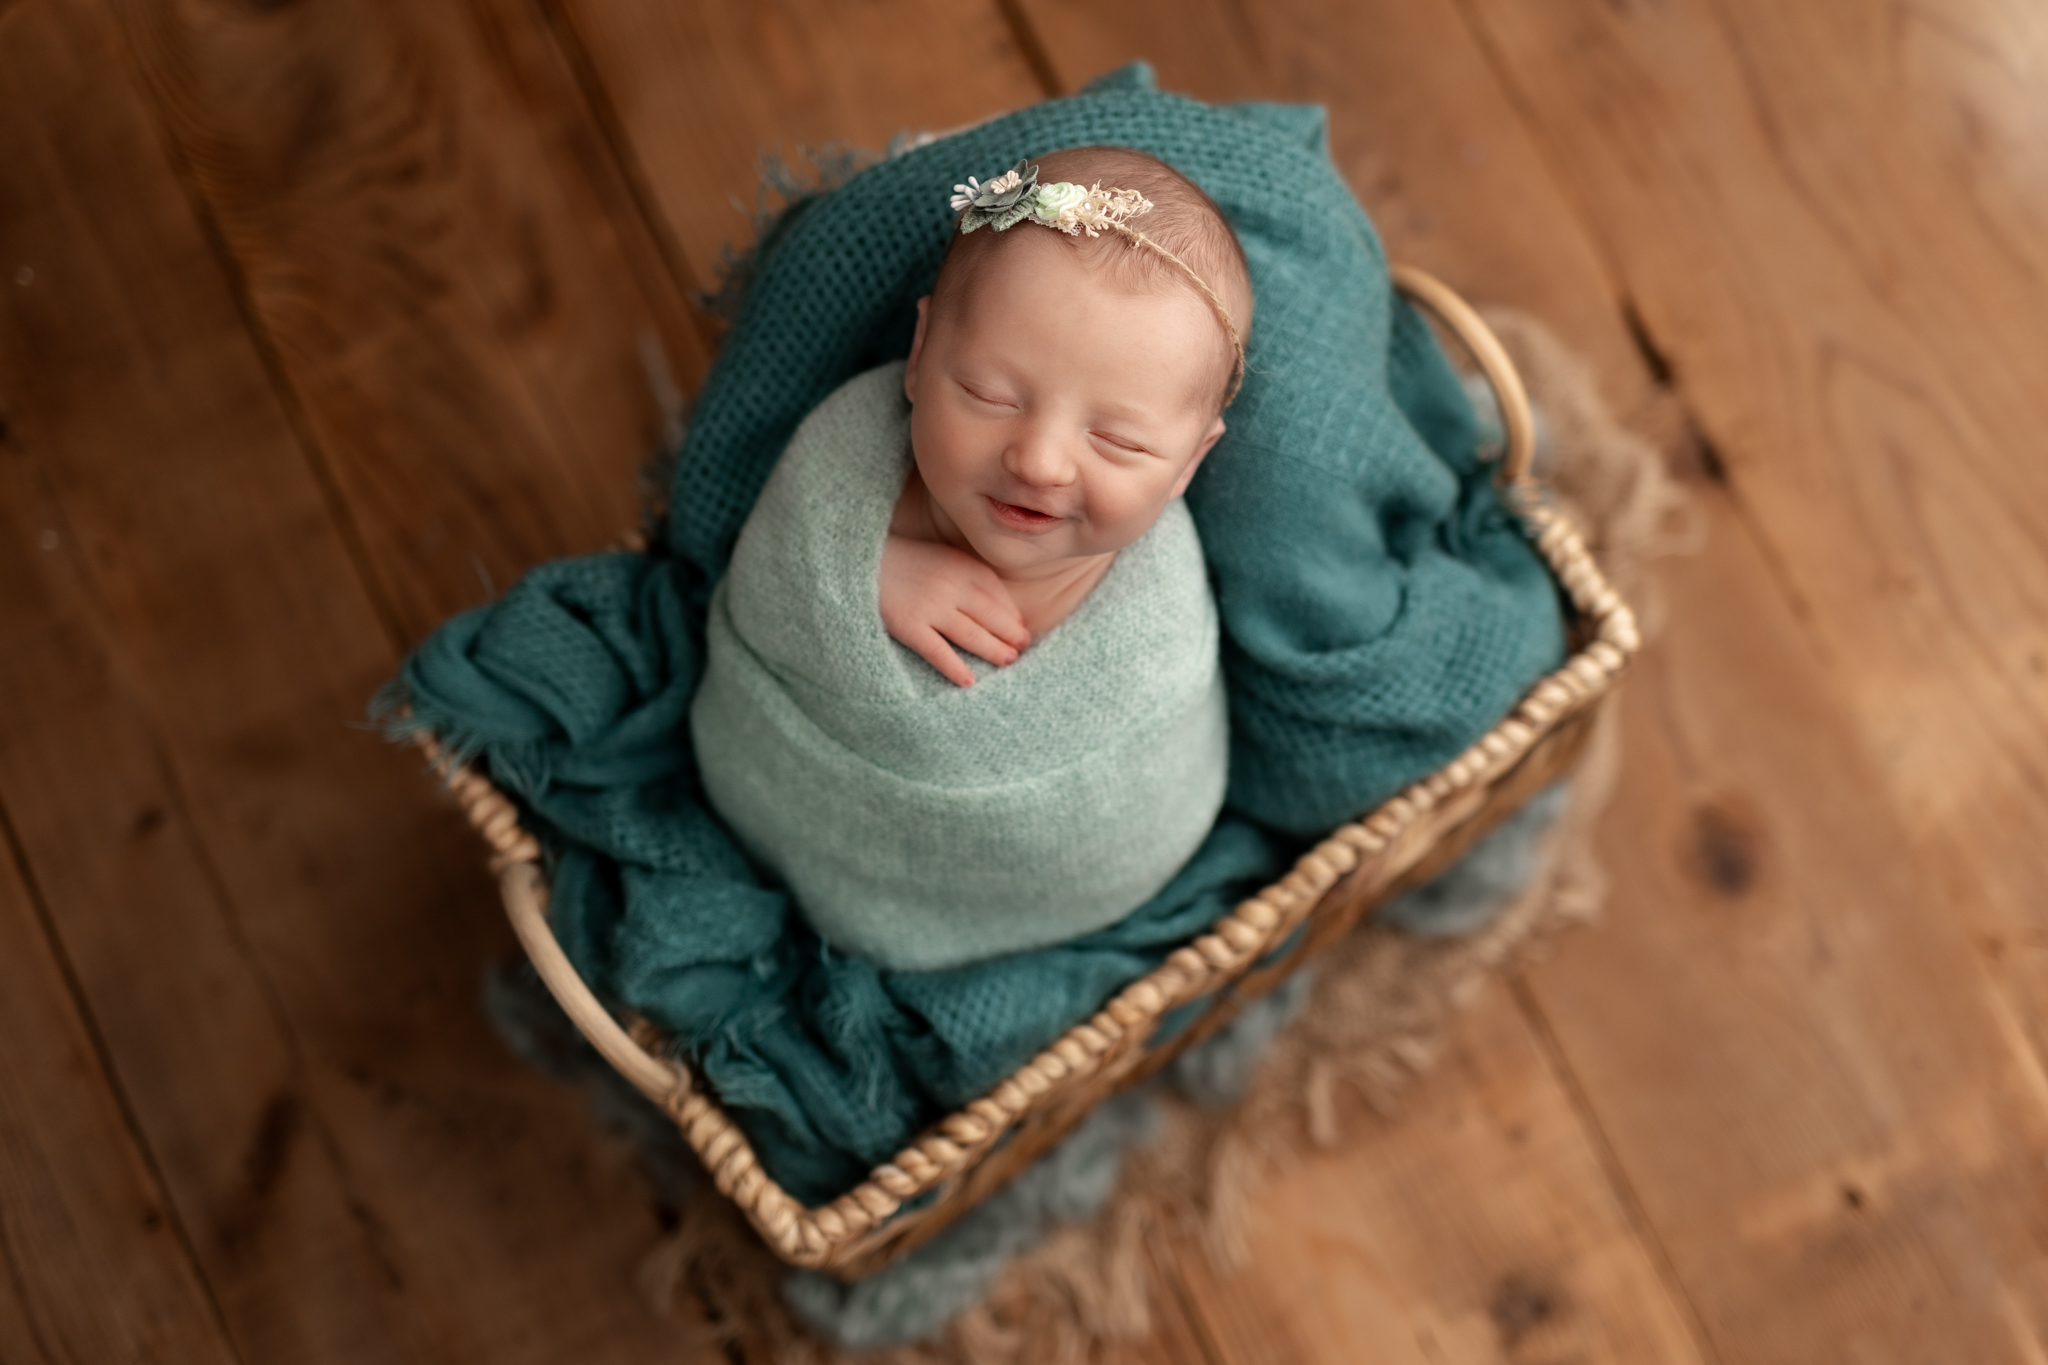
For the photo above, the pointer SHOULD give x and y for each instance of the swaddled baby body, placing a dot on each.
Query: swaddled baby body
(1011, 491)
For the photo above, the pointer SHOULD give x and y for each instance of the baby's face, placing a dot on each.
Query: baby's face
(1055, 416)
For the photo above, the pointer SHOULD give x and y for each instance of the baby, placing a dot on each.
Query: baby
(1062, 412)
(1068, 375)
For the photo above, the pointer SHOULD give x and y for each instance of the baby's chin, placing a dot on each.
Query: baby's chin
(1014, 554)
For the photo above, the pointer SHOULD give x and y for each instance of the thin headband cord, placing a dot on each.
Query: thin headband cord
(1016, 196)
(1222, 314)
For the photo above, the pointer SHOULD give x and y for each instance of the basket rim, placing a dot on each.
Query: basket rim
(839, 1230)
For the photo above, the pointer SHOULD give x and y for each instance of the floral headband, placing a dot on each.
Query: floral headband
(1016, 196)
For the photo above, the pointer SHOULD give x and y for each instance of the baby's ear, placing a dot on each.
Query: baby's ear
(916, 349)
(1209, 440)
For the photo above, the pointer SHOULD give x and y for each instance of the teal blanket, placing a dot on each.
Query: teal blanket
(922, 824)
(1380, 611)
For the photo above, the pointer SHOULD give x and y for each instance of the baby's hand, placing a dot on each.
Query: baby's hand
(932, 593)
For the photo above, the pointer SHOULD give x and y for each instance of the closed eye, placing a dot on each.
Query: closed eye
(981, 397)
(1120, 442)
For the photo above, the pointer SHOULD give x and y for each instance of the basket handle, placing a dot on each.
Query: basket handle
(1462, 320)
(526, 904)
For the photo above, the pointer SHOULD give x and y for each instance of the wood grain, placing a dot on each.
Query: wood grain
(277, 928)
(471, 322)
(1477, 1225)
(1833, 216)
(700, 89)
(1829, 1122)
(92, 1265)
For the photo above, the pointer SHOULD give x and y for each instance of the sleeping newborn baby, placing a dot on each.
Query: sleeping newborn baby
(962, 693)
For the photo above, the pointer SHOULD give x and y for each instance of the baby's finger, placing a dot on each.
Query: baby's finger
(933, 649)
(968, 633)
(997, 612)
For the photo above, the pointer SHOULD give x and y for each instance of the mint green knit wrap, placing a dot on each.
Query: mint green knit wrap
(1380, 610)
(922, 824)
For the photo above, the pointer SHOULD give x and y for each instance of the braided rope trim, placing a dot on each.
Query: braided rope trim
(834, 1233)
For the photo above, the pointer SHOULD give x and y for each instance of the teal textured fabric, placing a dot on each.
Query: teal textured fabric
(1409, 606)
(1379, 612)
(918, 823)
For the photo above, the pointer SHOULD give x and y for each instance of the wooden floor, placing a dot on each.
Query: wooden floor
(320, 321)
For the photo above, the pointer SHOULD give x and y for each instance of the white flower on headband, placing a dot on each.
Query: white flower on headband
(1058, 201)
(965, 195)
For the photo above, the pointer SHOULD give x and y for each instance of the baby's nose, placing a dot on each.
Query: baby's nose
(1041, 461)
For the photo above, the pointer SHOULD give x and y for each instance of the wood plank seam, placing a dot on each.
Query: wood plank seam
(590, 88)
(131, 1122)
(1664, 376)
(240, 290)
(1796, 601)
(1589, 225)
(176, 797)
(1031, 47)
(1551, 1048)
(1656, 355)
(298, 1068)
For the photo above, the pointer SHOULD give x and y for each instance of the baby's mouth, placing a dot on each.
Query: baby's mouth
(1022, 518)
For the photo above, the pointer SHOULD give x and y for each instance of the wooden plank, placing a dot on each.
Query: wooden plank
(106, 824)
(1831, 215)
(447, 266)
(19, 1340)
(701, 88)
(92, 1268)
(278, 930)
(1827, 1118)
(1477, 1225)
(86, 786)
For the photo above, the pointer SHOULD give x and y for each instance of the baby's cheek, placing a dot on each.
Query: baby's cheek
(1127, 510)
(940, 455)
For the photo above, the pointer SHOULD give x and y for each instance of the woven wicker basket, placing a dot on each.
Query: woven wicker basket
(970, 1153)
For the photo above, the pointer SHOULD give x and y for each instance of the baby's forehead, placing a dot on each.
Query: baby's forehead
(1105, 265)
(1114, 303)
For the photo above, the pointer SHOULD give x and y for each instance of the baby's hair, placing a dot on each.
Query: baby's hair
(1183, 220)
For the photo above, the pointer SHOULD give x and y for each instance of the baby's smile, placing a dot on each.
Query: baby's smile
(1020, 518)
